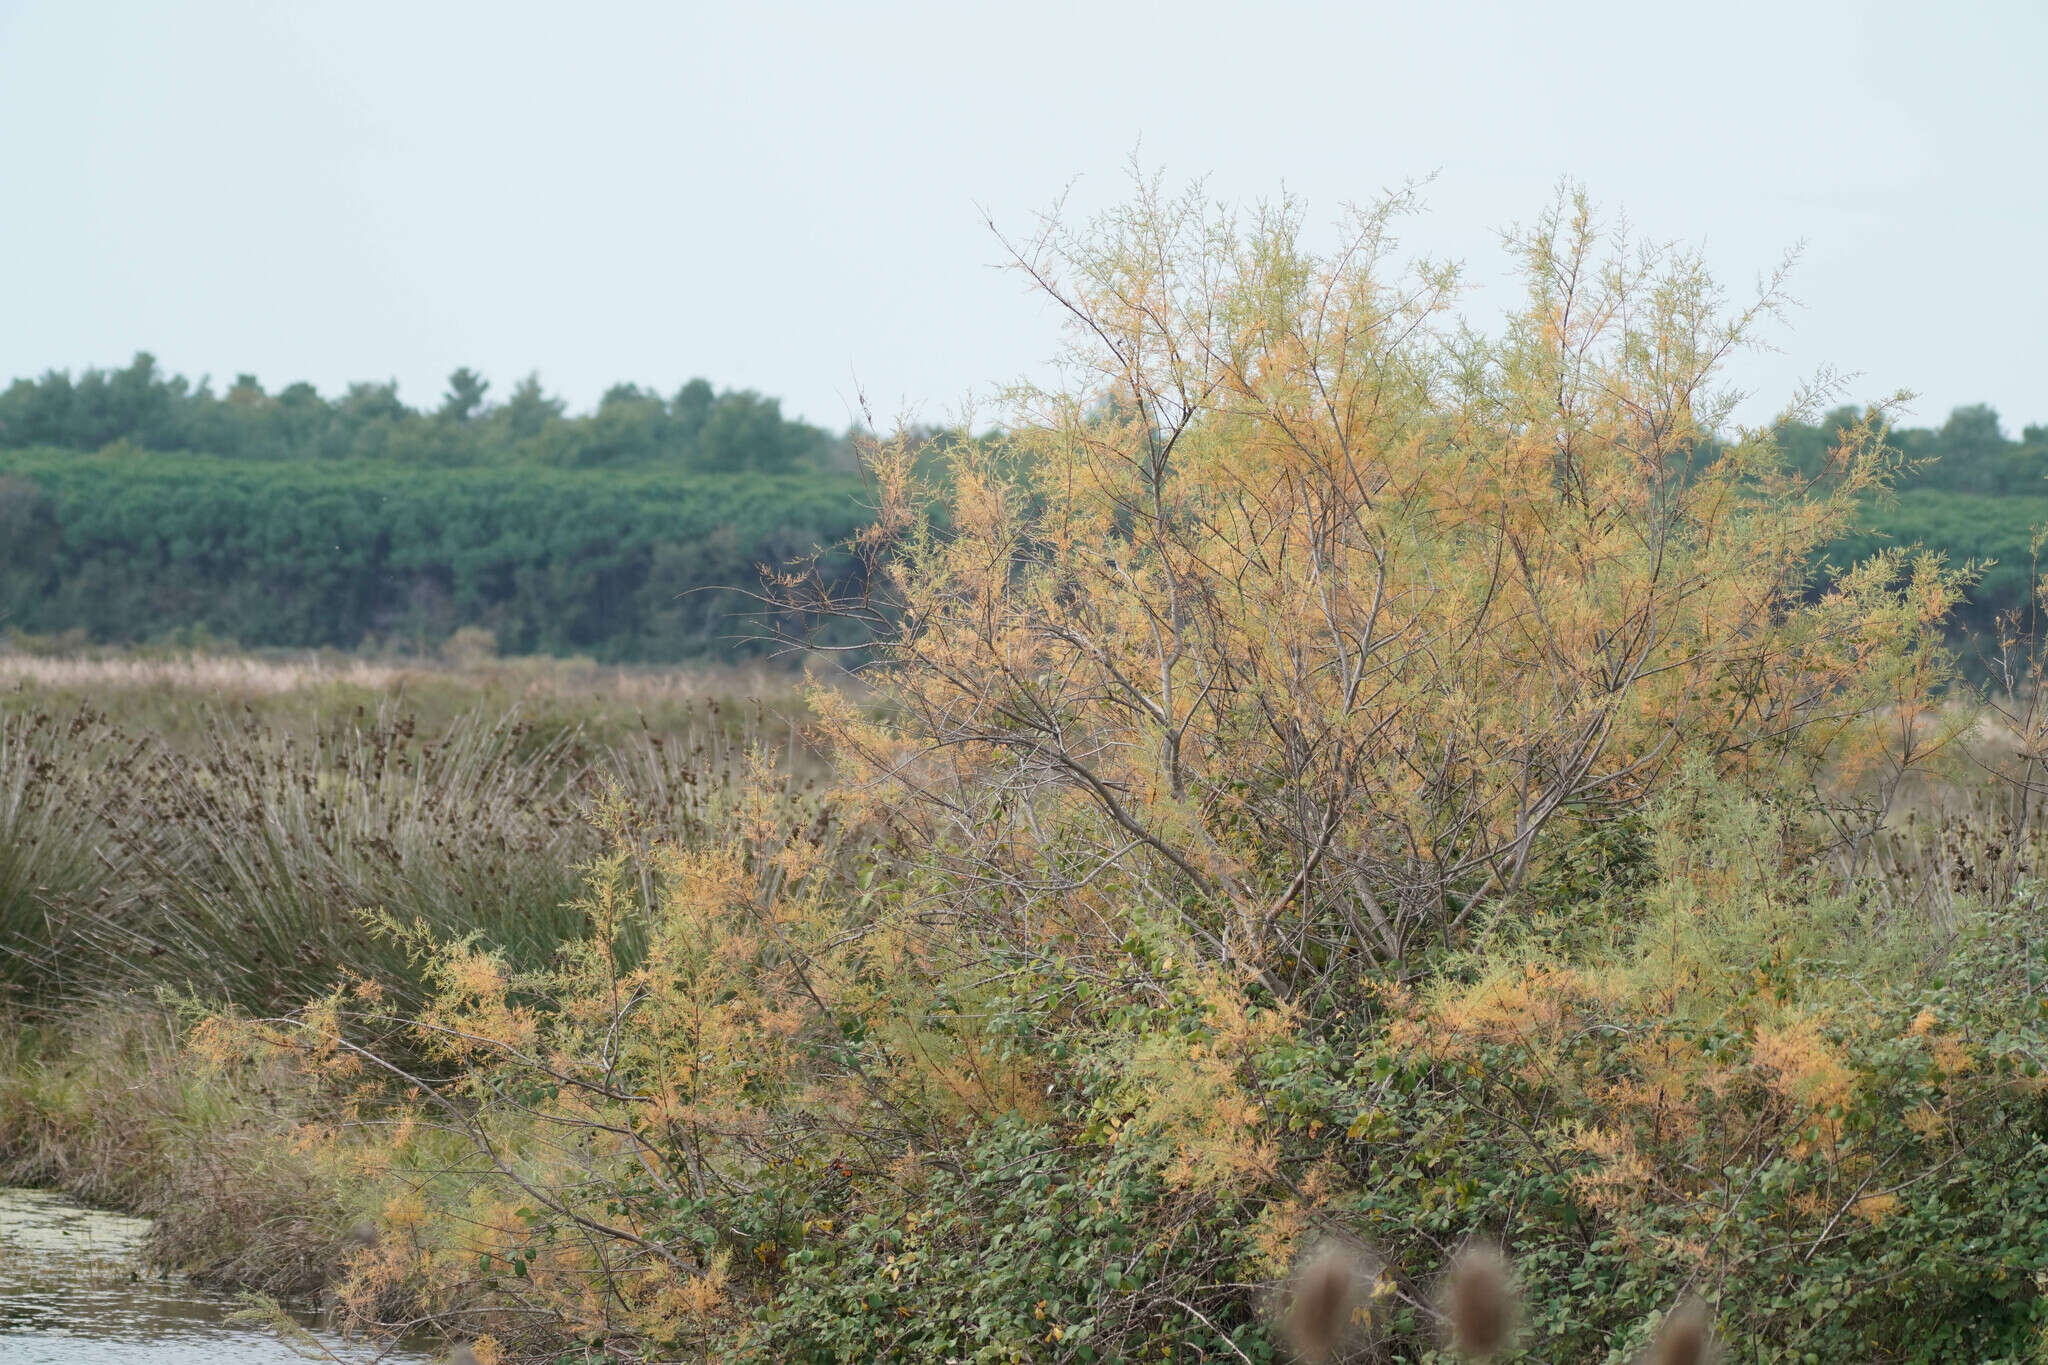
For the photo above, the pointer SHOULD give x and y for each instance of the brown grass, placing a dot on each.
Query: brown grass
(111, 1110)
(247, 677)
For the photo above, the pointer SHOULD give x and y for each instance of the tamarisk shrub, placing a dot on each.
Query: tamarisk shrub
(1294, 617)
(1222, 701)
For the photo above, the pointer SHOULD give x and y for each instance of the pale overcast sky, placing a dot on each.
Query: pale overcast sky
(786, 197)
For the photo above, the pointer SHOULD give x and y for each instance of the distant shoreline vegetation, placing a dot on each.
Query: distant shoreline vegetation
(1964, 489)
(137, 507)
(696, 430)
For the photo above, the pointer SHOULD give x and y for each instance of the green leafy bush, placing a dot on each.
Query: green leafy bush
(1022, 1245)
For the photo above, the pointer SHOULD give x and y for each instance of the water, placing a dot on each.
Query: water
(74, 1291)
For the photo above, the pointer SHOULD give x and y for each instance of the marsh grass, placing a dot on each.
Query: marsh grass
(54, 861)
(260, 860)
(110, 1108)
(169, 695)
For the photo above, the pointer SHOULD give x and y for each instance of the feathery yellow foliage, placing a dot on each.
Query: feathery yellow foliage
(1303, 613)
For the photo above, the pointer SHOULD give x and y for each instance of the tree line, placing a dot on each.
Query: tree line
(138, 506)
(626, 565)
(697, 428)
(1964, 488)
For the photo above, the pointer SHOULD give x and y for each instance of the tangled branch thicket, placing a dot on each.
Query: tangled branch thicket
(1330, 774)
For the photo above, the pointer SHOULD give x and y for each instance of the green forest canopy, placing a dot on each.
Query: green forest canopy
(696, 429)
(1965, 489)
(136, 506)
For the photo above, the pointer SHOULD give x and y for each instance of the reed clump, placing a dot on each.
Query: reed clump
(267, 862)
(58, 867)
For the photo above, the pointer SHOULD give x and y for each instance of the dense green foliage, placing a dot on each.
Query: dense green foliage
(641, 563)
(135, 506)
(1963, 488)
(697, 429)
(1032, 1239)
(1495, 1139)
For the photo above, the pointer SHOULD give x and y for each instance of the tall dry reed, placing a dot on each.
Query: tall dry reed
(56, 864)
(265, 862)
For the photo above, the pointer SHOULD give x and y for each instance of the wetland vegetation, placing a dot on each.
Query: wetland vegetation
(1324, 794)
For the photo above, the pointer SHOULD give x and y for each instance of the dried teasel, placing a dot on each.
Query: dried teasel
(1321, 1299)
(1479, 1302)
(1682, 1339)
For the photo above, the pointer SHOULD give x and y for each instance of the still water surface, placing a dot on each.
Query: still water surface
(74, 1291)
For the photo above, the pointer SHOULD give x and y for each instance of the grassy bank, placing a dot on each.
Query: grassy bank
(1831, 1123)
(107, 1105)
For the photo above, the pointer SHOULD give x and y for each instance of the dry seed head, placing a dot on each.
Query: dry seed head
(1479, 1302)
(1682, 1340)
(1321, 1300)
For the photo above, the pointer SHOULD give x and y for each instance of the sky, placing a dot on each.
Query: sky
(796, 198)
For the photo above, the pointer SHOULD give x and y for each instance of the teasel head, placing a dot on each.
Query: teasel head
(1683, 1338)
(1321, 1299)
(1479, 1302)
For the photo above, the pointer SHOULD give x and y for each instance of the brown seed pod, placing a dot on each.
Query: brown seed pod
(1321, 1299)
(1682, 1340)
(1479, 1302)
